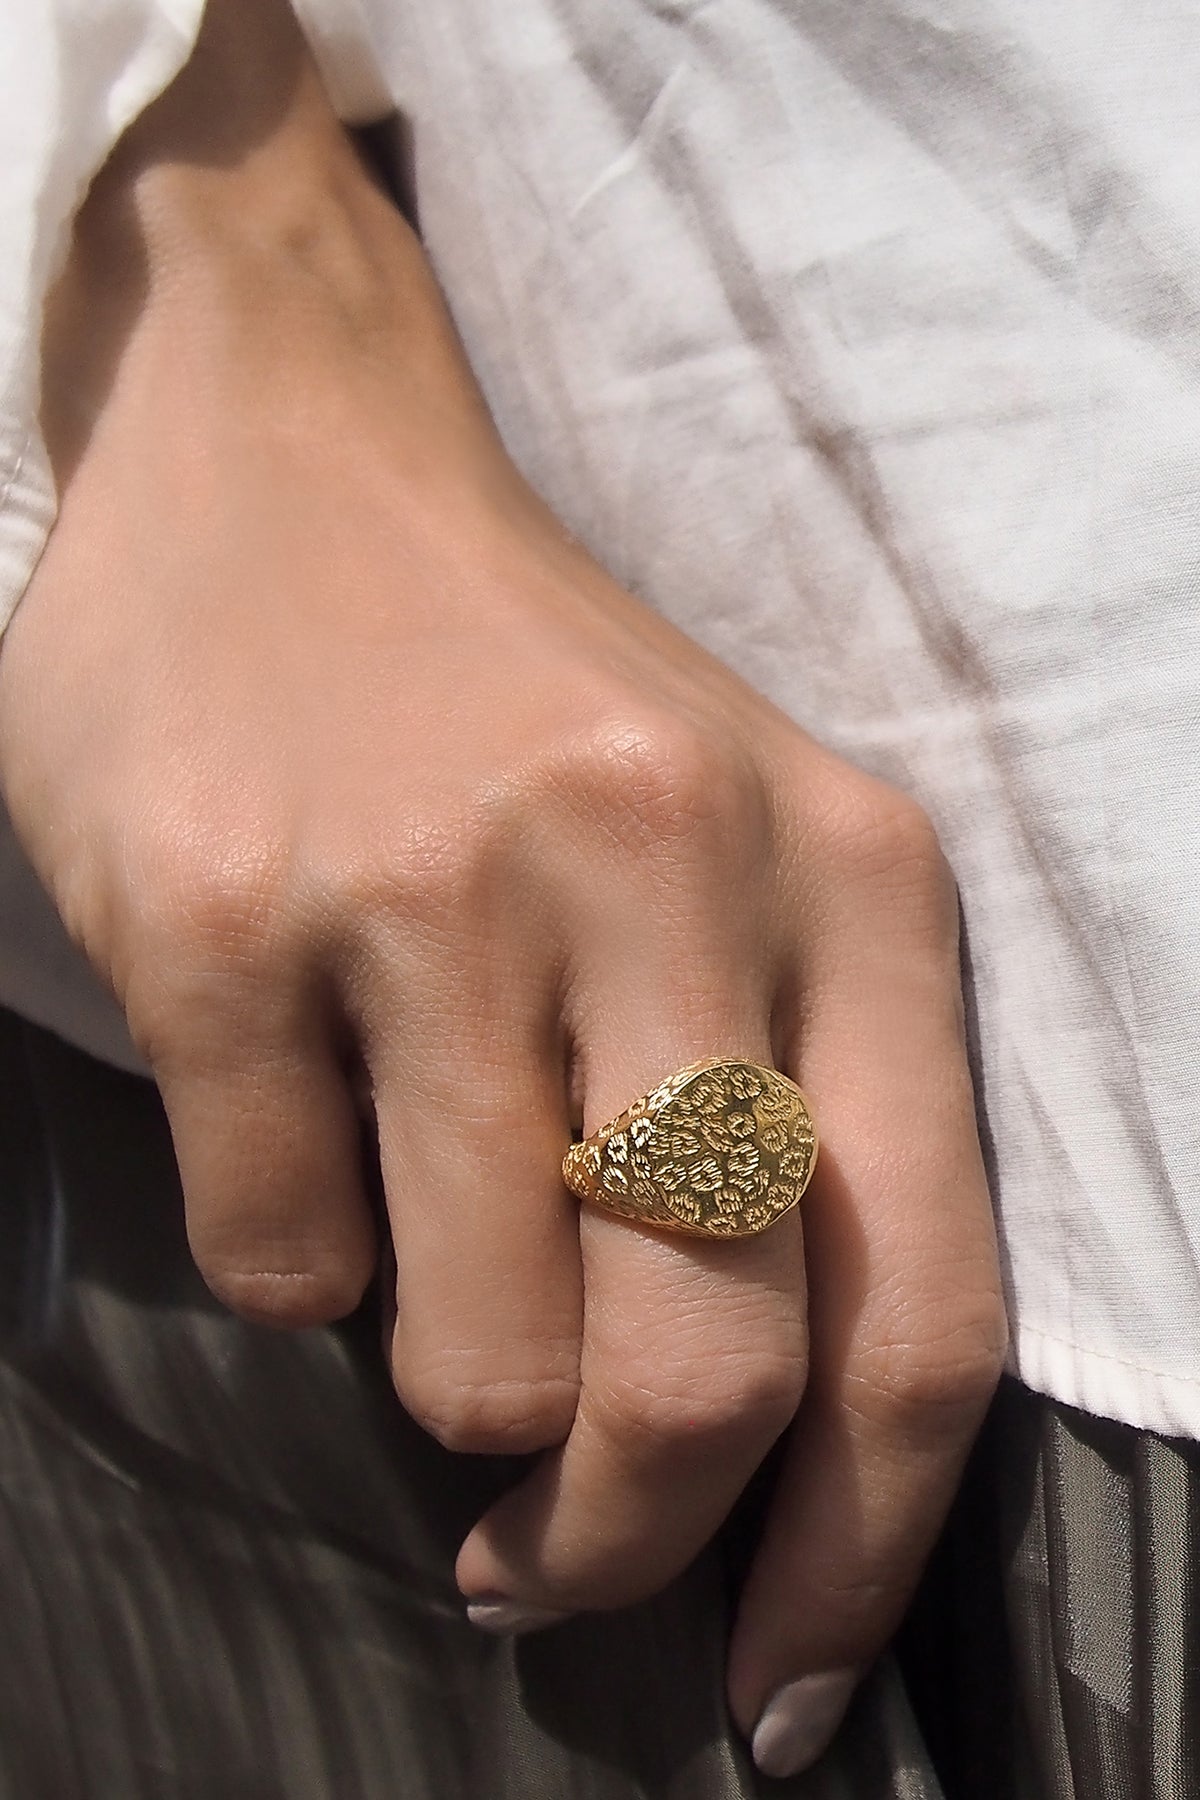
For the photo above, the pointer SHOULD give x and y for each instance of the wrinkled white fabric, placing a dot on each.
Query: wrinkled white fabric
(862, 340)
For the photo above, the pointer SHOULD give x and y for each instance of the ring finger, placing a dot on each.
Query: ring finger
(693, 1354)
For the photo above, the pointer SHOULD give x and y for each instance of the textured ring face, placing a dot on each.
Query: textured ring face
(721, 1149)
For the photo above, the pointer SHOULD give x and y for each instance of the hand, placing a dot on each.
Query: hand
(336, 752)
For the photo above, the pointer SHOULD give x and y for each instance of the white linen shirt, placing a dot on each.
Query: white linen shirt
(863, 341)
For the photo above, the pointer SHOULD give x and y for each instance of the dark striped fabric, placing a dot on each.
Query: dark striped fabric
(1074, 1546)
(226, 1558)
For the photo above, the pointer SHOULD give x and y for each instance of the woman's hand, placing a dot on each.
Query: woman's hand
(337, 754)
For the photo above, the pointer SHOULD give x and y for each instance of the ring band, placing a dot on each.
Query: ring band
(723, 1148)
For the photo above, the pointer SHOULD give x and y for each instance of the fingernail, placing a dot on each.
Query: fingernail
(506, 1618)
(798, 1722)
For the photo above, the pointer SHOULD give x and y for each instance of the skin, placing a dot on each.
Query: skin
(354, 775)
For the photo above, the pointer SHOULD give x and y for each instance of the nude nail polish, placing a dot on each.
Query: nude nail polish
(508, 1618)
(799, 1720)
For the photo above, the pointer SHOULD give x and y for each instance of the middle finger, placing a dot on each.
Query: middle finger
(462, 1049)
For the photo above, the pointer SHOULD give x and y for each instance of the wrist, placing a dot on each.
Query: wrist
(238, 217)
(242, 157)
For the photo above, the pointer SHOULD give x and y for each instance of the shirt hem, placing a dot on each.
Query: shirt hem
(1107, 1387)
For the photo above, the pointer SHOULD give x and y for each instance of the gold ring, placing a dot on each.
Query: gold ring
(722, 1149)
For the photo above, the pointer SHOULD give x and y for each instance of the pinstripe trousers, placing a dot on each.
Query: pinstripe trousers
(226, 1558)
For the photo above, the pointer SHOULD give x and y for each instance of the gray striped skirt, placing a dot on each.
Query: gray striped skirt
(226, 1558)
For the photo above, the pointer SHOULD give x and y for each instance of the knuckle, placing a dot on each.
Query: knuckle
(432, 870)
(288, 1299)
(884, 832)
(737, 1400)
(660, 780)
(210, 926)
(208, 934)
(922, 1385)
(887, 845)
(227, 904)
(491, 1418)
